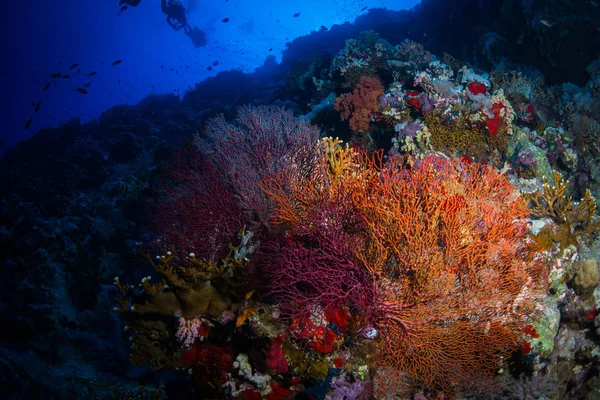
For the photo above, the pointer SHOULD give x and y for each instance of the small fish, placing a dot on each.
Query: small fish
(209, 68)
(297, 15)
(545, 22)
(81, 90)
(87, 84)
(225, 20)
(56, 75)
(123, 8)
(324, 28)
(116, 62)
(215, 63)
(74, 66)
(92, 73)
(248, 312)
(37, 106)
(271, 49)
(66, 76)
(46, 86)
(363, 9)
(28, 123)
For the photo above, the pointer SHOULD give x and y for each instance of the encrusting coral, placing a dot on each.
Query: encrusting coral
(189, 288)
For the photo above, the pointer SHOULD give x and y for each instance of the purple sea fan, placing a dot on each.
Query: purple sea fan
(263, 140)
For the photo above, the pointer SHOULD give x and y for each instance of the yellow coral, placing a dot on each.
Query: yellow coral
(573, 219)
(338, 158)
(462, 136)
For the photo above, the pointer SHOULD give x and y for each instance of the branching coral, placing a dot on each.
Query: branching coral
(573, 219)
(453, 265)
(452, 271)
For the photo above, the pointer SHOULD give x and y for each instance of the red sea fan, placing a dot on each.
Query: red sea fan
(198, 212)
(323, 274)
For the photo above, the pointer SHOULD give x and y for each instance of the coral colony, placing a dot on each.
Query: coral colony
(379, 222)
(351, 272)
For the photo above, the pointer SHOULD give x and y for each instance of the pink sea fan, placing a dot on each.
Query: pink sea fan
(263, 140)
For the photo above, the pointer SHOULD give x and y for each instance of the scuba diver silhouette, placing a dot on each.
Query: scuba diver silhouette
(176, 18)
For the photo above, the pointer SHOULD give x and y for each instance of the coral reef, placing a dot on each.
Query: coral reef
(437, 251)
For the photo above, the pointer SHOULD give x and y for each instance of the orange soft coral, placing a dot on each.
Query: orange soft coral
(360, 105)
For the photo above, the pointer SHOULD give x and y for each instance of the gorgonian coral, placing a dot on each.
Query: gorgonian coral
(444, 244)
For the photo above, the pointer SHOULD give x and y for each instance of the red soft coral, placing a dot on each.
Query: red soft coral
(493, 123)
(476, 88)
(276, 357)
